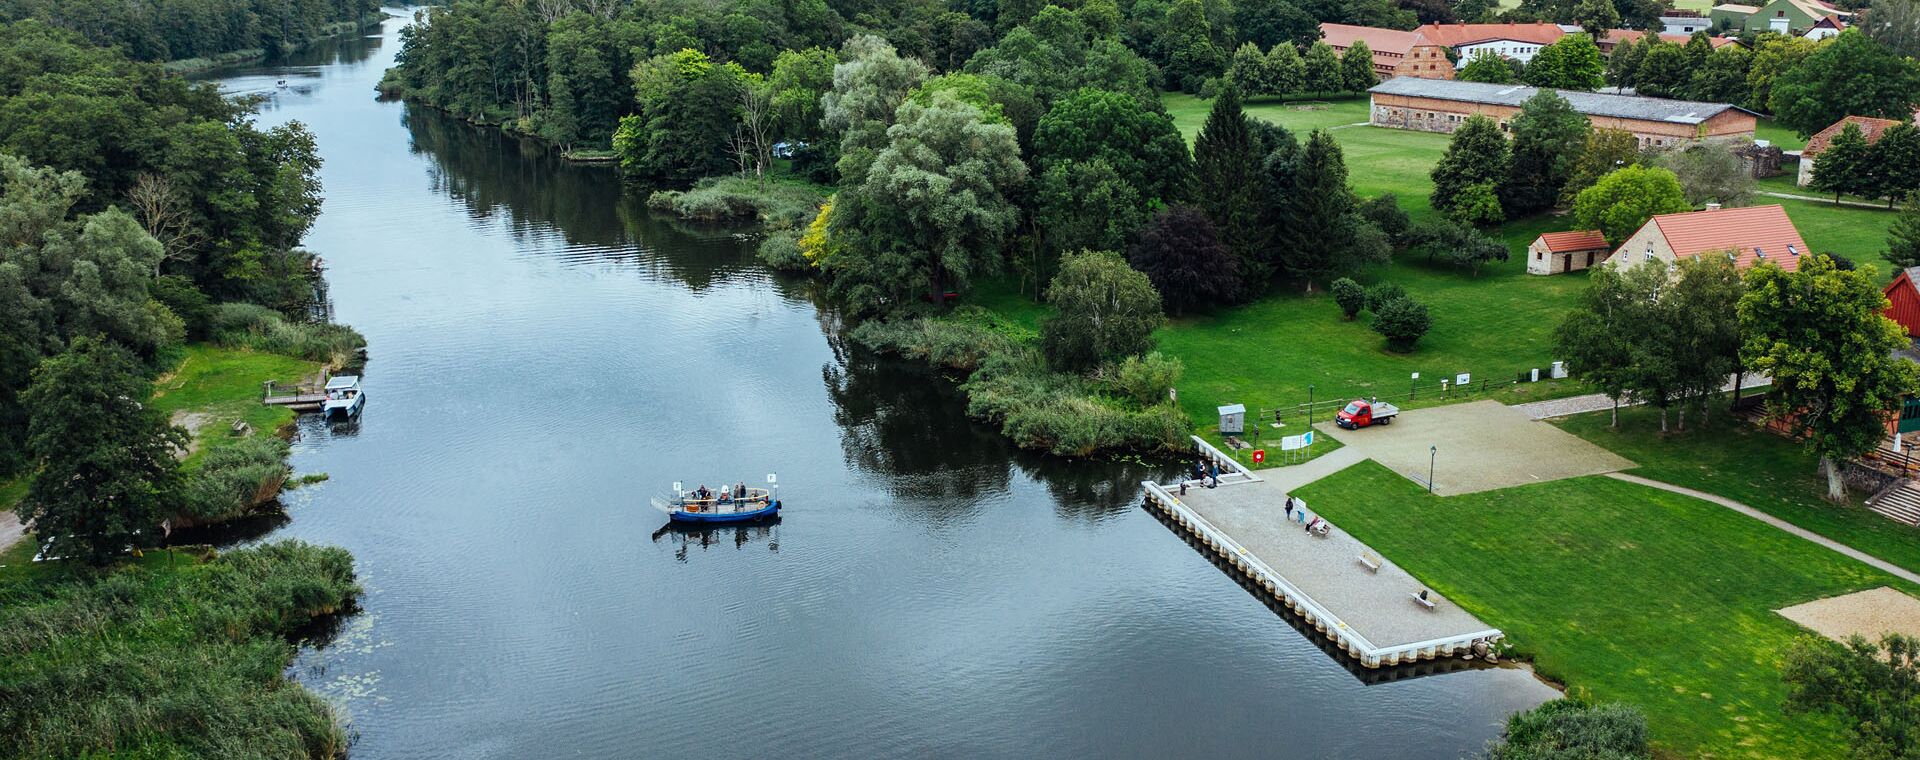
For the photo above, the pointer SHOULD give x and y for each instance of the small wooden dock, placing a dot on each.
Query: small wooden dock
(1364, 604)
(300, 398)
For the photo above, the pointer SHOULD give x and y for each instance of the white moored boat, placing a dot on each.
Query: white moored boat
(343, 396)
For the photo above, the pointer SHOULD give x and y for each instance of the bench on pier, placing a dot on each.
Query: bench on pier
(1427, 603)
(1372, 564)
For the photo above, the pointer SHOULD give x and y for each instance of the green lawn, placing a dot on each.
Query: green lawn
(1630, 593)
(1783, 137)
(226, 384)
(1752, 466)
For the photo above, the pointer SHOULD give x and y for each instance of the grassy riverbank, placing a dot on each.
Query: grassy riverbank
(1750, 465)
(1631, 593)
(214, 386)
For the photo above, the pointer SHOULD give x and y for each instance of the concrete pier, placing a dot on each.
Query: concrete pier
(1370, 614)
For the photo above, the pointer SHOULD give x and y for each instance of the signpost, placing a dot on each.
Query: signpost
(1294, 443)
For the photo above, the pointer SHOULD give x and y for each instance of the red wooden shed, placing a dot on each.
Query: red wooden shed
(1903, 296)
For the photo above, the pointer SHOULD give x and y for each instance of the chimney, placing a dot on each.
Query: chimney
(1713, 206)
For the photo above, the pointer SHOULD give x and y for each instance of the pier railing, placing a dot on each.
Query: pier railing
(1221, 458)
(1315, 614)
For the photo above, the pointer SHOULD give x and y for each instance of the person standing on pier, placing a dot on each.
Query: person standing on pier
(1213, 471)
(1289, 506)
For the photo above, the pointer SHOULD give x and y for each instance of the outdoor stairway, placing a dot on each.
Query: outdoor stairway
(1900, 503)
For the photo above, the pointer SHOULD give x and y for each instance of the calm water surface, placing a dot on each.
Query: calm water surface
(546, 354)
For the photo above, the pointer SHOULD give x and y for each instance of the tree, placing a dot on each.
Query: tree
(1896, 162)
(1622, 201)
(1710, 173)
(1548, 136)
(1475, 11)
(1138, 141)
(1187, 45)
(1271, 23)
(1572, 729)
(1820, 333)
(1623, 67)
(1402, 321)
(1903, 237)
(1773, 56)
(1895, 24)
(1286, 71)
(107, 475)
(164, 212)
(1845, 166)
(1227, 163)
(684, 125)
(1605, 151)
(1322, 72)
(1572, 62)
(1663, 71)
(1323, 237)
(1876, 689)
(1598, 338)
(1700, 309)
(1085, 205)
(1489, 67)
(1477, 155)
(1384, 211)
(1104, 311)
(1849, 76)
(756, 130)
(869, 84)
(1181, 254)
(1596, 17)
(1723, 78)
(1349, 295)
(1247, 71)
(1356, 67)
(1698, 48)
(933, 210)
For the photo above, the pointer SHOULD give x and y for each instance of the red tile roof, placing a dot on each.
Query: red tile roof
(1617, 36)
(1378, 40)
(1575, 240)
(1455, 35)
(1754, 234)
(1869, 126)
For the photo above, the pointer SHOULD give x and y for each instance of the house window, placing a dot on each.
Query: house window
(1779, 14)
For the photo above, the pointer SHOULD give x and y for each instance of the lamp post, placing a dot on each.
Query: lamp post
(1433, 452)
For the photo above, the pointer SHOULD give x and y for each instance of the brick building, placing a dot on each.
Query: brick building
(1870, 127)
(1435, 105)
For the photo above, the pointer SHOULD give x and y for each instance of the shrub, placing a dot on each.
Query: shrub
(1351, 297)
(1570, 729)
(233, 481)
(783, 204)
(781, 250)
(1385, 212)
(1478, 203)
(245, 325)
(1402, 321)
(1147, 379)
(1380, 294)
(187, 302)
(962, 341)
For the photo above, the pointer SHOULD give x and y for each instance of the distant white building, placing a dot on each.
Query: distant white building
(1685, 24)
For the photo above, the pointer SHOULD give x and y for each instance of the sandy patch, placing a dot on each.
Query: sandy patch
(192, 421)
(11, 531)
(1872, 613)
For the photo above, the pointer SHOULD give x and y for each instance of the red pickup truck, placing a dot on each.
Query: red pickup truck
(1362, 413)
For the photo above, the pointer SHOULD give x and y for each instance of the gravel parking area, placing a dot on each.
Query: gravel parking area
(1871, 613)
(1481, 446)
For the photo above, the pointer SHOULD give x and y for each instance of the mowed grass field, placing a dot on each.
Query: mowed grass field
(1748, 464)
(226, 384)
(1629, 593)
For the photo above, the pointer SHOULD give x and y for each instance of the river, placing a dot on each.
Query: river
(546, 354)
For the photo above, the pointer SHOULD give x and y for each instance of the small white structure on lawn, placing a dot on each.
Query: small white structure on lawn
(1233, 419)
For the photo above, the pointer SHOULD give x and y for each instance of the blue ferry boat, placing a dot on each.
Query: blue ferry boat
(727, 504)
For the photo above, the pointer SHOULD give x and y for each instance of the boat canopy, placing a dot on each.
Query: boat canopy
(343, 382)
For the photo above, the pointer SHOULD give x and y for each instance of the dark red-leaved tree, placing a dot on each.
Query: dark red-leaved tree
(1181, 252)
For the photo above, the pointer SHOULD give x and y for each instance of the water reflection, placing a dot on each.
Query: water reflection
(684, 538)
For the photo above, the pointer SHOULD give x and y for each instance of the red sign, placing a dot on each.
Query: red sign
(1259, 455)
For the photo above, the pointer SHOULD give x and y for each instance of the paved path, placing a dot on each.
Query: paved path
(1598, 402)
(1817, 199)
(1876, 562)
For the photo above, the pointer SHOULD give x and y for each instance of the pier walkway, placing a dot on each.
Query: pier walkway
(1371, 614)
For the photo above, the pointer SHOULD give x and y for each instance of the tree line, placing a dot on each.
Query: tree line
(139, 211)
(167, 30)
